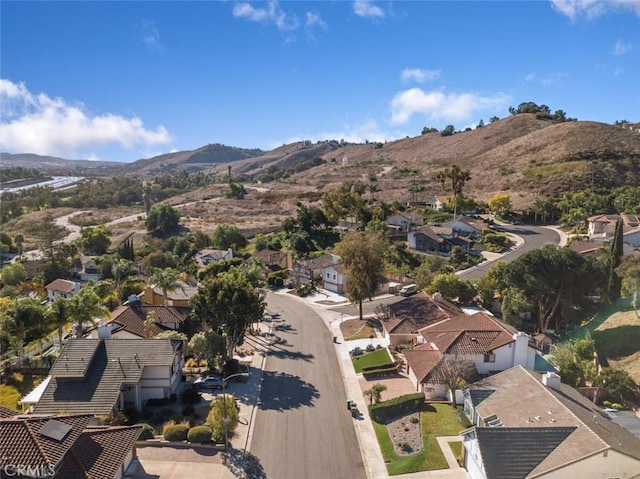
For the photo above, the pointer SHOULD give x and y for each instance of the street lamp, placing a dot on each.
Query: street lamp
(225, 418)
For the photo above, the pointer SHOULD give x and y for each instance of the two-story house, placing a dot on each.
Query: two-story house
(101, 376)
(62, 287)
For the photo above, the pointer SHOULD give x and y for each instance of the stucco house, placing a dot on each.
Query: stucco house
(131, 321)
(85, 268)
(426, 239)
(275, 260)
(405, 221)
(407, 317)
(440, 202)
(179, 297)
(207, 256)
(489, 343)
(465, 226)
(65, 447)
(101, 376)
(62, 287)
(529, 425)
(306, 271)
(334, 278)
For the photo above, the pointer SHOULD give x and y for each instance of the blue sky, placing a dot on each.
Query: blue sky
(122, 81)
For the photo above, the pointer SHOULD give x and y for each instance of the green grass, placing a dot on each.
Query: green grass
(456, 448)
(375, 358)
(15, 387)
(436, 420)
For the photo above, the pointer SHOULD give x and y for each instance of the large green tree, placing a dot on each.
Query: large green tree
(123, 272)
(58, 314)
(362, 255)
(95, 240)
(228, 236)
(554, 280)
(629, 272)
(229, 303)
(162, 219)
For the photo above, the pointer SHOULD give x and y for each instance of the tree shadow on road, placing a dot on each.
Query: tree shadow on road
(243, 465)
(282, 391)
(277, 351)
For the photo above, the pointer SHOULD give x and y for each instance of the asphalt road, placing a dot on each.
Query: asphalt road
(534, 237)
(303, 430)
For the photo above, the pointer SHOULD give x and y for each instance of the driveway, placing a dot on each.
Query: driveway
(177, 463)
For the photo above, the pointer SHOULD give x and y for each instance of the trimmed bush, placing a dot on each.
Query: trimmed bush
(177, 432)
(190, 395)
(378, 366)
(395, 407)
(147, 433)
(188, 410)
(381, 372)
(201, 434)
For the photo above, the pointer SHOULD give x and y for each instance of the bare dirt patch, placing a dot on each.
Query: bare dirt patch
(396, 386)
(356, 329)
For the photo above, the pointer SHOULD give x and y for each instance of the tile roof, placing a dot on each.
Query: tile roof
(475, 334)
(429, 233)
(184, 291)
(583, 247)
(61, 285)
(101, 452)
(6, 412)
(114, 362)
(132, 318)
(417, 311)
(319, 263)
(521, 400)
(512, 453)
(422, 361)
(24, 443)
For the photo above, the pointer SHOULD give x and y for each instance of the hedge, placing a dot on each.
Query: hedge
(177, 432)
(147, 432)
(388, 371)
(396, 407)
(201, 434)
(379, 366)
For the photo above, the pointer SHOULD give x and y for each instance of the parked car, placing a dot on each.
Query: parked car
(210, 382)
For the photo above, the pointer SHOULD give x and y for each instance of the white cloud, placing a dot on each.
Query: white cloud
(590, 9)
(151, 35)
(548, 80)
(50, 126)
(618, 71)
(419, 75)
(366, 8)
(438, 105)
(620, 48)
(315, 20)
(367, 130)
(271, 14)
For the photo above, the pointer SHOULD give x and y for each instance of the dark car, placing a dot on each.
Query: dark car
(210, 382)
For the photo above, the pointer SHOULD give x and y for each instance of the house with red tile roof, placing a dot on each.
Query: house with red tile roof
(179, 297)
(489, 343)
(65, 447)
(529, 425)
(407, 317)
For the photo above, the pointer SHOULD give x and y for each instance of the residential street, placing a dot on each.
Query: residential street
(304, 430)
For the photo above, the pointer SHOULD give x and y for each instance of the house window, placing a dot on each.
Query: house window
(490, 357)
(334, 276)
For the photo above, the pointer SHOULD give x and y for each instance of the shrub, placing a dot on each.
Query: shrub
(148, 432)
(190, 396)
(156, 402)
(395, 407)
(201, 434)
(176, 432)
(188, 410)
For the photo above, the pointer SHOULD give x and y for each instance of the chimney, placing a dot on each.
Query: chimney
(551, 380)
(521, 349)
(104, 331)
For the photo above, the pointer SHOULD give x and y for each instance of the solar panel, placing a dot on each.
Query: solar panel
(55, 430)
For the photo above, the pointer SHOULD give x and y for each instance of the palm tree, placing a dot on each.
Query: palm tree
(167, 279)
(458, 178)
(123, 271)
(21, 319)
(58, 315)
(85, 306)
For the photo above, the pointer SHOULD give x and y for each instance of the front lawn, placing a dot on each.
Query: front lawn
(379, 357)
(356, 329)
(435, 420)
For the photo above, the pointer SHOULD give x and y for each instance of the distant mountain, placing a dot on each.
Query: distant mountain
(522, 155)
(53, 165)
